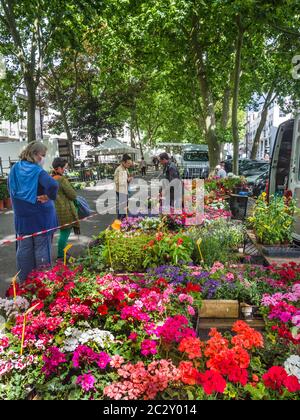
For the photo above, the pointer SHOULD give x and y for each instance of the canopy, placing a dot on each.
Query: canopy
(112, 147)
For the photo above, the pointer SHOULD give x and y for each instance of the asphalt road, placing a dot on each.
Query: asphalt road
(89, 229)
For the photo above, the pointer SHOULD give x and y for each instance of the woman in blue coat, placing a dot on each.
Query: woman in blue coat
(33, 192)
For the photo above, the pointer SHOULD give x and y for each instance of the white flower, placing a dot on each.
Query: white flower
(292, 366)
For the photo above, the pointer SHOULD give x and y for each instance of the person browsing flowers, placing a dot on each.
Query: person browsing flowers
(65, 206)
(33, 192)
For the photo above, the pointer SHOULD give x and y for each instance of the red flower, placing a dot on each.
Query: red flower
(292, 384)
(102, 310)
(275, 378)
(159, 236)
(180, 241)
(44, 293)
(212, 382)
(39, 303)
(188, 373)
(151, 243)
(190, 288)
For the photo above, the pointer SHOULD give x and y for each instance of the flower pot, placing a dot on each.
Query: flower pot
(1, 205)
(219, 309)
(7, 203)
(247, 312)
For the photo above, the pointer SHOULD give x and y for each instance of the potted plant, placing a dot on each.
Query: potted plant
(2, 196)
(7, 199)
(272, 223)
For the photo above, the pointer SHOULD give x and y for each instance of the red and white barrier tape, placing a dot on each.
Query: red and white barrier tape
(43, 232)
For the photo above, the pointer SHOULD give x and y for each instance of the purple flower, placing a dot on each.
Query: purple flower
(148, 347)
(103, 360)
(86, 381)
(52, 358)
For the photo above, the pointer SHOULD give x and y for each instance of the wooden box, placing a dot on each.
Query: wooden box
(219, 309)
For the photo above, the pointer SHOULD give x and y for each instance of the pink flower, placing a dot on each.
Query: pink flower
(132, 336)
(148, 347)
(86, 381)
(53, 357)
(230, 276)
(191, 310)
(117, 361)
(103, 360)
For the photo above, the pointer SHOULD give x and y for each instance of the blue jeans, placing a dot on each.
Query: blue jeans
(34, 253)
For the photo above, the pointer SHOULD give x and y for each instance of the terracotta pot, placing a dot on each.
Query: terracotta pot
(1, 205)
(7, 203)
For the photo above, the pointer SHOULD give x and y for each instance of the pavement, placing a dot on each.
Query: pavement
(89, 229)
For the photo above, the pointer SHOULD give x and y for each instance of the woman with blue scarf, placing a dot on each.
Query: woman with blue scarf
(32, 191)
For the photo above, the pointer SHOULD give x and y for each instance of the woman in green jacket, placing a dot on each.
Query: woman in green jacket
(65, 205)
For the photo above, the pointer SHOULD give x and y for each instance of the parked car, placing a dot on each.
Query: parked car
(195, 161)
(259, 185)
(285, 165)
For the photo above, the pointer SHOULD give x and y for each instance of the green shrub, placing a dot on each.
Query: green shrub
(273, 221)
(220, 239)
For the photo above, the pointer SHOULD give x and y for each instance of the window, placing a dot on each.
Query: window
(77, 151)
(282, 114)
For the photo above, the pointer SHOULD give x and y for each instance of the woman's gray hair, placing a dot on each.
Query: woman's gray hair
(32, 150)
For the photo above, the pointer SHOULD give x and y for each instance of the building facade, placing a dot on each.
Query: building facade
(276, 116)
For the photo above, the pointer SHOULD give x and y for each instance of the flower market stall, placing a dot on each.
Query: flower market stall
(125, 321)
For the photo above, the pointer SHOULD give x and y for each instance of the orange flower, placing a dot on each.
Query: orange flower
(246, 337)
(188, 373)
(191, 346)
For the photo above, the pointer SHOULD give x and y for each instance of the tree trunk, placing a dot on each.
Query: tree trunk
(69, 137)
(208, 103)
(225, 113)
(31, 107)
(262, 123)
(236, 90)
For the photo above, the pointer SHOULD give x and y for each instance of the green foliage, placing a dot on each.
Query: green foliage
(4, 193)
(273, 222)
(127, 253)
(219, 241)
(168, 249)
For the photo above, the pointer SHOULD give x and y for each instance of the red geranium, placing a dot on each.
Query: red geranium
(102, 310)
(277, 378)
(188, 373)
(180, 241)
(212, 382)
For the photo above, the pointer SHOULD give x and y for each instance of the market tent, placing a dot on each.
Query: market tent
(112, 147)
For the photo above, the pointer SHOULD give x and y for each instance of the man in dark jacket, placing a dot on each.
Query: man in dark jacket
(170, 173)
(170, 169)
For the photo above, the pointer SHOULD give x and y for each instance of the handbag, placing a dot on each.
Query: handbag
(82, 207)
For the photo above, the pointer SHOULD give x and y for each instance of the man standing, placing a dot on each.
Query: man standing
(143, 166)
(170, 173)
(221, 173)
(122, 179)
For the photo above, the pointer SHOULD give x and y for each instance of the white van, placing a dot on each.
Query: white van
(285, 166)
(195, 161)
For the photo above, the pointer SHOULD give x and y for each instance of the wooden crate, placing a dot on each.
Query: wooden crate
(219, 309)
